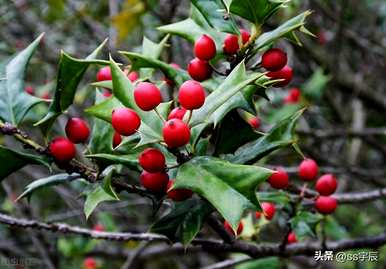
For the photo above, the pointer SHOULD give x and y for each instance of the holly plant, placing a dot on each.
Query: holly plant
(187, 138)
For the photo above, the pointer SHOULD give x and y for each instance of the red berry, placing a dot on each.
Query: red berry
(257, 214)
(125, 121)
(279, 179)
(322, 38)
(46, 96)
(254, 122)
(152, 160)
(269, 210)
(154, 182)
(325, 204)
(62, 149)
(89, 263)
(199, 70)
(29, 90)
(117, 139)
(191, 95)
(147, 96)
(231, 44)
(133, 76)
(245, 35)
(326, 184)
(176, 133)
(308, 170)
(291, 238)
(177, 113)
(293, 96)
(228, 227)
(205, 48)
(274, 59)
(285, 74)
(107, 93)
(104, 74)
(178, 194)
(99, 228)
(77, 130)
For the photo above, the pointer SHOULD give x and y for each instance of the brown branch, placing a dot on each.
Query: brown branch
(253, 250)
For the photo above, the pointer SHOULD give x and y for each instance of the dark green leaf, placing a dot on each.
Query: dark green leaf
(70, 73)
(304, 223)
(214, 11)
(230, 188)
(277, 197)
(314, 87)
(281, 135)
(138, 61)
(46, 182)
(94, 198)
(153, 51)
(14, 101)
(129, 160)
(296, 23)
(191, 31)
(256, 11)
(184, 221)
(281, 113)
(12, 161)
(264, 263)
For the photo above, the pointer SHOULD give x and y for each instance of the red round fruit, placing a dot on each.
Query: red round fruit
(199, 70)
(245, 35)
(254, 122)
(228, 227)
(274, 59)
(152, 160)
(29, 90)
(285, 74)
(326, 184)
(178, 194)
(177, 113)
(133, 76)
(308, 170)
(279, 179)
(231, 44)
(147, 96)
(117, 139)
(89, 263)
(99, 228)
(125, 121)
(269, 210)
(291, 238)
(257, 214)
(77, 130)
(154, 182)
(293, 96)
(104, 74)
(325, 204)
(205, 48)
(191, 95)
(176, 133)
(62, 149)
(107, 93)
(46, 96)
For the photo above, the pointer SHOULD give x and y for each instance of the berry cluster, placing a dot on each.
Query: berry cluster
(307, 171)
(175, 131)
(63, 149)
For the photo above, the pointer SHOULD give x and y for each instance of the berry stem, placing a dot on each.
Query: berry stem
(159, 115)
(303, 190)
(189, 116)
